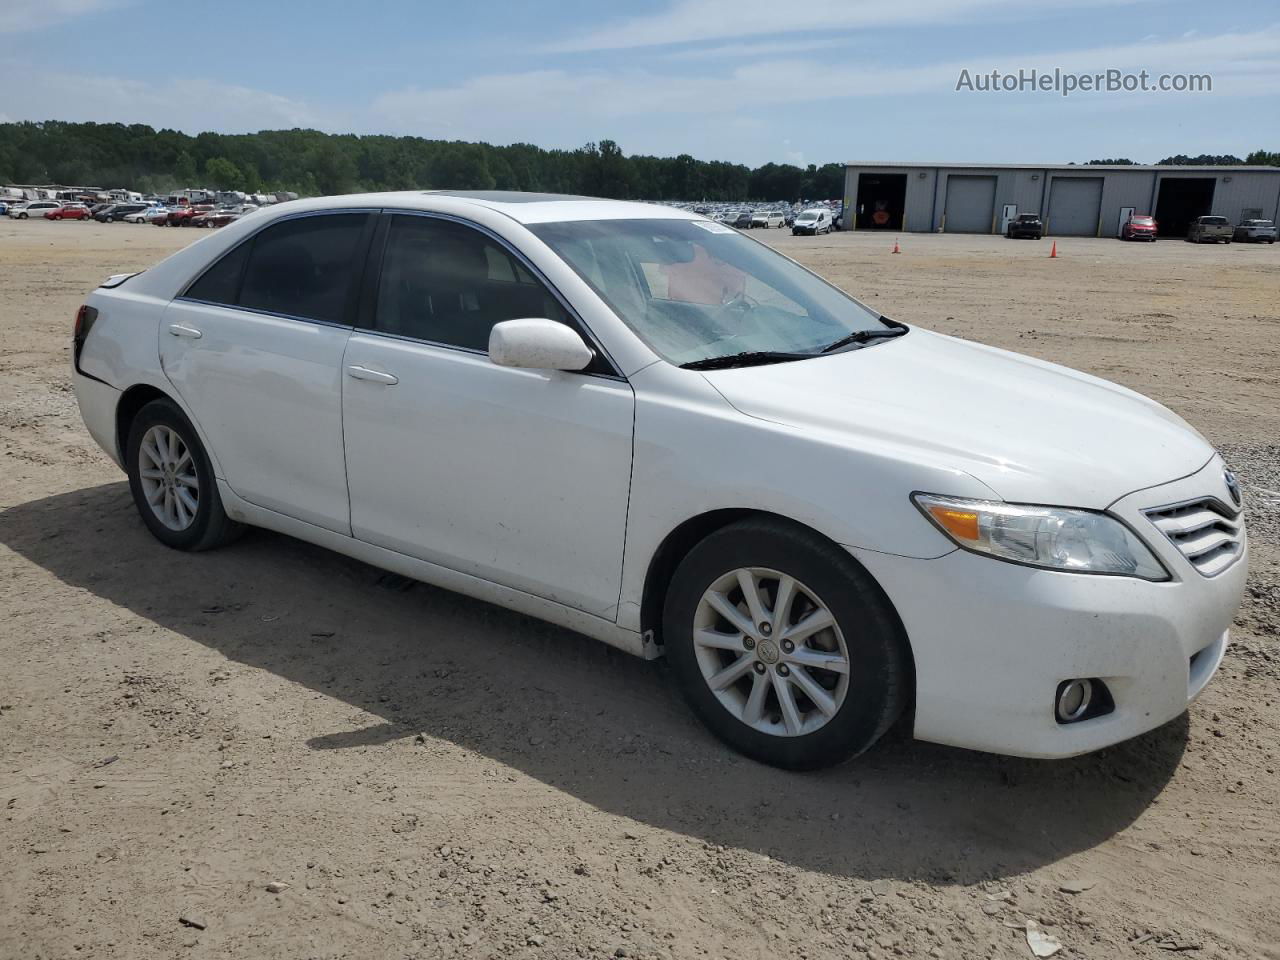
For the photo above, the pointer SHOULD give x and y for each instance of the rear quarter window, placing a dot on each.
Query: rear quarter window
(303, 267)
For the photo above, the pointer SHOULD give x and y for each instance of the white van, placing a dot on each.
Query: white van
(813, 222)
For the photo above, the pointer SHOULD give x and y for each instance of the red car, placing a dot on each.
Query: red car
(181, 216)
(1139, 227)
(70, 211)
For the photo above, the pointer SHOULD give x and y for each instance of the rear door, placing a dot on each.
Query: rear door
(519, 477)
(254, 346)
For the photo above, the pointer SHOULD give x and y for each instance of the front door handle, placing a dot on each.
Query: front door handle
(373, 376)
(181, 330)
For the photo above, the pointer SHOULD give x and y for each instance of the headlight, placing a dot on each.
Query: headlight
(1056, 538)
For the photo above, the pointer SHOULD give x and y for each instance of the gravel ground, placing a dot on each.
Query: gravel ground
(272, 751)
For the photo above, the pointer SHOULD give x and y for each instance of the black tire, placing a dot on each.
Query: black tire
(877, 647)
(211, 526)
(23, 216)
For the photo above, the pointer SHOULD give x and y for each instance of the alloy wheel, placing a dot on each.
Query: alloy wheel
(168, 474)
(771, 652)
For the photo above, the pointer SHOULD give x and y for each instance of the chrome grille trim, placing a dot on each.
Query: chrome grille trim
(1206, 531)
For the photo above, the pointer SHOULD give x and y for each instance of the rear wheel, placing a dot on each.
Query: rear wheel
(172, 481)
(784, 646)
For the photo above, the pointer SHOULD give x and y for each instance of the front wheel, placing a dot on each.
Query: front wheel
(172, 481)
(784, 646)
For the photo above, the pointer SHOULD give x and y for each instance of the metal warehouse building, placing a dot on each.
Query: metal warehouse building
(1073, 201)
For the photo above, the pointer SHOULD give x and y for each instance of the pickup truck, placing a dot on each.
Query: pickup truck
(1210, 230)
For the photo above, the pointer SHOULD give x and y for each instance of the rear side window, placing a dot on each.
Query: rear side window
(304, 267)
(221, 282)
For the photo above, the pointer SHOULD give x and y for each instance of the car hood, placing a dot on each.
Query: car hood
(1034, 432)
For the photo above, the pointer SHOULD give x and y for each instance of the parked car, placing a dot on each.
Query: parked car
(768, 218)
(141, 216)
(118, 211)
(742, 220)
(1139, 226)
(4, 208)
(1027, 225)
(1027, 583)
(69, 211)
(183, 215)
(158, 216)
(1210, 230)
(1255, 231)
(812, 222)
(33, 208)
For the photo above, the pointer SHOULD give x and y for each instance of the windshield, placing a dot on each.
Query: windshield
(807, 216)
(1143, 220)
(694, 289)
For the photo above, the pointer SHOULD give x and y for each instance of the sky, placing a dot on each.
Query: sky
(749, 81)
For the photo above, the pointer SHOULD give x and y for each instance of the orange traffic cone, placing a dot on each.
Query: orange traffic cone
(896, 248)
(1053, 252)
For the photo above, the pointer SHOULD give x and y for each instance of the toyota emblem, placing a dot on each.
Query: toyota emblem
(1233, 486)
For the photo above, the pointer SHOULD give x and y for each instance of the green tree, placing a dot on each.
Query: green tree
(1263, 158)
(223, 174)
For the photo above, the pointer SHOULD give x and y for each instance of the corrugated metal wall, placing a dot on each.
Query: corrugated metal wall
(1029, 188)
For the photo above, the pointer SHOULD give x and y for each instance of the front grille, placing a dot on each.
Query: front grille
(1206, 532)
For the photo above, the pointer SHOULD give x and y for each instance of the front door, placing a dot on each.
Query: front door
(520, 477)
(1125, 214)
(254, 347)
(1007, 214)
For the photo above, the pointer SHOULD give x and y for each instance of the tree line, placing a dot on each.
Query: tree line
(312, 163)
(1259, 158)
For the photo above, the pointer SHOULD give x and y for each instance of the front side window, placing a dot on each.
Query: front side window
(694, 289)
(448, 283)
(303, 267)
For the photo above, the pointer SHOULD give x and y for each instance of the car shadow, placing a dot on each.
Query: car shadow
(601, 725)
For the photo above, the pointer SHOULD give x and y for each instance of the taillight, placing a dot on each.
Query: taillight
(85, 318)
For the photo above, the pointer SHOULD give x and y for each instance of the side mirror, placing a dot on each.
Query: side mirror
(538, 344)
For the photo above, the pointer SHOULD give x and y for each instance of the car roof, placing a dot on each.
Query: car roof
(526, 208)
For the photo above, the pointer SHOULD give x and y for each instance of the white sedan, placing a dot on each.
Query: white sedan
(646, 426)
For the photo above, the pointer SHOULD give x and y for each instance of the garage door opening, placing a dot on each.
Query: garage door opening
(970, 204)
(1181, 200)
(882, 201)
(1074, 206)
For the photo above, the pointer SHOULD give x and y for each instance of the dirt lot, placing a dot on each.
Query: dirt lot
(432, 776)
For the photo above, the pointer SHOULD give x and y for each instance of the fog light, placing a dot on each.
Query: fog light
(1074, 699)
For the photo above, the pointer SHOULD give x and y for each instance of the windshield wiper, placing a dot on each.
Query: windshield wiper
(862, 336)
(750, 358)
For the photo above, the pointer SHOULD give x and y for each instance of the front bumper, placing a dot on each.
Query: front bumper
(992, 640)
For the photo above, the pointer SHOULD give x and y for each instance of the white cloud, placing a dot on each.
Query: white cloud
(762, 50)
(687, 21)
(185, 103)
(482, 107)
(17, 16)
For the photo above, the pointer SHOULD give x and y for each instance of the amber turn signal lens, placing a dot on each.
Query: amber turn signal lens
(962, 524)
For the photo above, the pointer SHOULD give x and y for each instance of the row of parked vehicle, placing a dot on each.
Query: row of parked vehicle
(1142, 226)
(153, 212)
(814, 218)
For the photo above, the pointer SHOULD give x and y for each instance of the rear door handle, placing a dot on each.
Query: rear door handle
(373, 376)
(181, 330)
